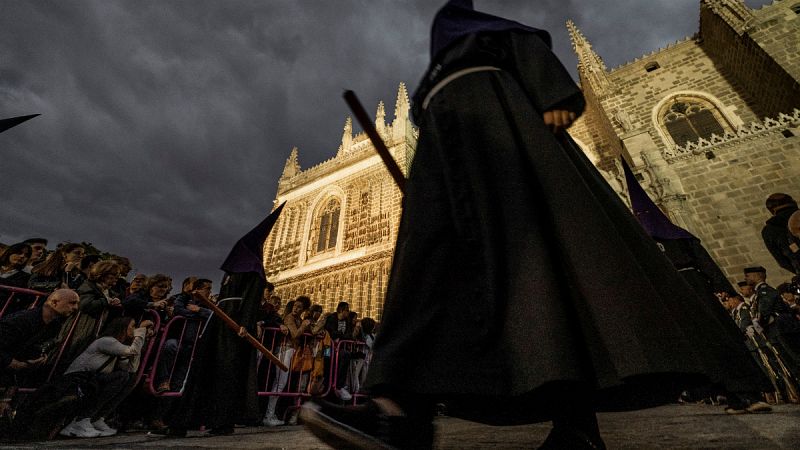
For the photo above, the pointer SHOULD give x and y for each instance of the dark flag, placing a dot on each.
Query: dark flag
(14, 121)
(222, 388)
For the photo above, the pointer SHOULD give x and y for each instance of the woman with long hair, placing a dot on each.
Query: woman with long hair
(12, 265)
(60, 269)
(113, 357)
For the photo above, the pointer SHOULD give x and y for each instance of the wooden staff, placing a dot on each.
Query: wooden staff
(372, 133)
(248, 337)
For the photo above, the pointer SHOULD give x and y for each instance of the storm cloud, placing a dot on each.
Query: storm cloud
(165, 125)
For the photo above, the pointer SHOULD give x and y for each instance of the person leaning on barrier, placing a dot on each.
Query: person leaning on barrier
(339, 326)
(297, 326)
(24, 336)
(113, 358)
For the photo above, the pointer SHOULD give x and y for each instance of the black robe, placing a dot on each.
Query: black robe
(516, 265)
(222, 386)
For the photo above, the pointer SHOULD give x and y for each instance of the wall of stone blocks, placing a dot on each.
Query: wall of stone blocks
(769, 87)
(777, 31)
(726, 197)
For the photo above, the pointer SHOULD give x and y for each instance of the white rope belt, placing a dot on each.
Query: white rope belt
(458, 74)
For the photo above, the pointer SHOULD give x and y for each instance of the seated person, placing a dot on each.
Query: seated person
(24, 335)
(114, 357)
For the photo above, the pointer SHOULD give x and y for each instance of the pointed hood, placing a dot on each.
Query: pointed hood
(248, 253)
(650, 216)
(458, 18)
(14, 121)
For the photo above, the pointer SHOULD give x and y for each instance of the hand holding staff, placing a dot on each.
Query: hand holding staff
(242, 332)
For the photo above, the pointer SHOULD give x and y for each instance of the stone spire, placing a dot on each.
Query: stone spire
(380, 118)
(734, 12)
(401, 106)
(347, 137)
(590, 65)
(292, 166)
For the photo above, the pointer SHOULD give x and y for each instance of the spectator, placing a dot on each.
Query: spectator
(120, 288)
(153, 296)
(86, 265)
(297, 327)
(25, 336)
(95, 292)
(12, 265)
(138, 283)
(365, 332)
(783, 246)
(38, 252)
(60, 270)
(339, 326)
(113, 357)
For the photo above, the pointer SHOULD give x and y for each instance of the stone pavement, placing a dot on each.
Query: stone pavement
(666, 427)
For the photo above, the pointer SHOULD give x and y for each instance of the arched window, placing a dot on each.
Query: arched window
(328, 226)
(687, 120)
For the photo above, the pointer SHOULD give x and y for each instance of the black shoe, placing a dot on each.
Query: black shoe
(569, 438)
(363, 427)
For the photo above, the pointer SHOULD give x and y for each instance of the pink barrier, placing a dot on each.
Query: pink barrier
(352, 347)
(17, 292)
(174, 323)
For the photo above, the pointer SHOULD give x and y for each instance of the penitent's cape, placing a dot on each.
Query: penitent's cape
(222, 385)
(516, 265)
(681, 247)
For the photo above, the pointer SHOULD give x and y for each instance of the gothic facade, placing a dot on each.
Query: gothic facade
(710, 124)
(335, 238)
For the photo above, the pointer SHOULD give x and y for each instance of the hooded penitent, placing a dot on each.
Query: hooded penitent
(223, 381)
(516, 265)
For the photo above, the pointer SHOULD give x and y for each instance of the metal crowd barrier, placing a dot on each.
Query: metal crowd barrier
(16, 292)
(351, 347)
(177, 322)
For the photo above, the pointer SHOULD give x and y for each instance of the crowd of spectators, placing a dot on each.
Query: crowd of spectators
(89, 329)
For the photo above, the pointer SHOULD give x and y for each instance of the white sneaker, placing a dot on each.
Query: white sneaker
(83, 428)
(343, 394)
(69, 429)
(101, 426)
(271, 421)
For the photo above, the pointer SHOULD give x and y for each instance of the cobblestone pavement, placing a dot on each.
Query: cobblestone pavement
(666, 427)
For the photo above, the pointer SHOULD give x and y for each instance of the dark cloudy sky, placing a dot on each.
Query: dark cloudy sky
(165, 124)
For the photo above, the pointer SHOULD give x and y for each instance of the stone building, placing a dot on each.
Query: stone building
(335, 238)
(709, 124)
